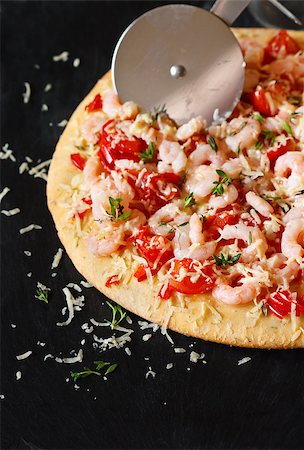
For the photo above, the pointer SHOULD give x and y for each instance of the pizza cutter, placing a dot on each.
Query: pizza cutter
(183, 57)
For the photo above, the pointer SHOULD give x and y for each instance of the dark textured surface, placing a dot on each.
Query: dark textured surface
(216, 405)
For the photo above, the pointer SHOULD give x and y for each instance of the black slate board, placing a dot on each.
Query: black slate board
(214, 405)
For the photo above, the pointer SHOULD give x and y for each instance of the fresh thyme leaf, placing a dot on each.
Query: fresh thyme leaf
(232, 133)
(212, 143)
(81, 147)
(183, 224)
(226, 260)
(241, 177)
(159, 110)
(163, 224)
(182, 180)
(238, 150)
(116, 209)
(259, 145)
(218, 189)
(271, 199)
(101, 364)
(286, 127)
(148, 154)
(294, 100)
(189, 200)
(111, 368)
(258, 117)
(116, 309)
(300, 192)
(269, 135)
(250, 237)
(42, 294)
(293, 115)
(243, 124)
(85, 373)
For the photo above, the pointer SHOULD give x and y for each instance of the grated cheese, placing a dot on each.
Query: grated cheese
(23, 167)
(10, 212)
(72, 305)
(47, 87)
(71, 360)
(150, 372)
(76, 62)
(62, 124)
(169, 366)
(48, 356)
(27, 253)
(57, 258)
(44, 107)
(27, 94)
(7, 153)
(18, 375)
(30, 228)
(24, 355)
(4, 192)
(13, 325)
(146, 337)
(74, 286)
(29, 274)
(244, 360)
(86, 284)
(128, 351)
(39, 171)
(179, 350)
(63, 56)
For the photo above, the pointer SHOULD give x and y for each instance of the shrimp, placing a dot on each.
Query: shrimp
(230, 195)
(91, 127)
(253, 53)
(200, 181)
(253, 236)
(142, 127)
(284, 271)
(259, 204)
(172, 157)
(232, 167)
(107, 244)
(194, 126)
(203, 154)
(291, 167)
(297, 124)
(292, 242)
(113, 186)
(91, 172)
(229, 295)
(190, 241)
(252, 78)
(294, 213)
(111, 104)
(128, 110)
(247, 132)
(169, 214)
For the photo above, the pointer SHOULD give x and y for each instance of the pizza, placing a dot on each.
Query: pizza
(198, 229)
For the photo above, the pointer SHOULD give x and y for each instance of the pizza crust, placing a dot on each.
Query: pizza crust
(233, 325)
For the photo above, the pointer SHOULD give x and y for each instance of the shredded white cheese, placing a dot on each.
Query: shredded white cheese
(24, 167)
(244, 360)
(86, 284)
(10, 212)
(179, 350)
(4, 192)
(169, 366)
(128, 351)
(24, 355)
(18, 375)
(27, 253)
(44, 107)
(72, 305)
(30, 228)
(27, 94)
(74, 286)
(62, 124)
(150, 372)
(63, 56)
(71, 360)
(7, 153)
(194, 356)
(57, 258)
(146, 337)
(76, 62)
(48, 87)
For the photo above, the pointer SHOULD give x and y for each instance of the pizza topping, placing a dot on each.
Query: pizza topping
(218, 209)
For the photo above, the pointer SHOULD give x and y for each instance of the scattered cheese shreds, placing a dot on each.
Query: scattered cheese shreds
(48, 87)
(63, 56)
(76, 62)
(74, 286)
(71, 360)
(24, 355)
(23, 167)
(128, 351)
(4, 192)
(86, 284)
(44, 107)
(194, 356)
(18, 375)
(27, 94)
(27, 253)
(150, 372)
(30, 228)
(244, 360)
(179, 350)
(169, 366)
(70, 304)
(10, 212)
(146, 337)
(57, 258)
(7, 153)
(62, 124)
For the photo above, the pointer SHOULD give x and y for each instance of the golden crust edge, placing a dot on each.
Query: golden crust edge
(139, 298)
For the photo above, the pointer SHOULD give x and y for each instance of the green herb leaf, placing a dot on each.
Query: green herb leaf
(300, 192)
(148, 154)
(189, 200)
(294, 100)
(212, 143)
(158, 111)
(218, 189)
(116, 309)
(116, 209)
(286, 127)
(182, 180)
(101, 364)
(259, 145)
(42, 293)
(269, 135)
(163, 224)
(85, 373)
(111, 368)
(250, 237)
(258, 117)
(226, 260)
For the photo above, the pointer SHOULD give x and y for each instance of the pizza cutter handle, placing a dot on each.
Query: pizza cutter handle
(229, 10)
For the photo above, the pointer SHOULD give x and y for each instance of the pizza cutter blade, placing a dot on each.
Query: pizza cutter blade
(183, 57)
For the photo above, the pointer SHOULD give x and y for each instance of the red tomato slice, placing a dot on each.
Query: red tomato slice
(87, 200)
(276, 44)
(114, 279)
(203, 283)
(274, 152)
(259, 102)
(78, 160)
(279, 303)
(219, 220)
(165, 292)
(95, 105)
(152, 248)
